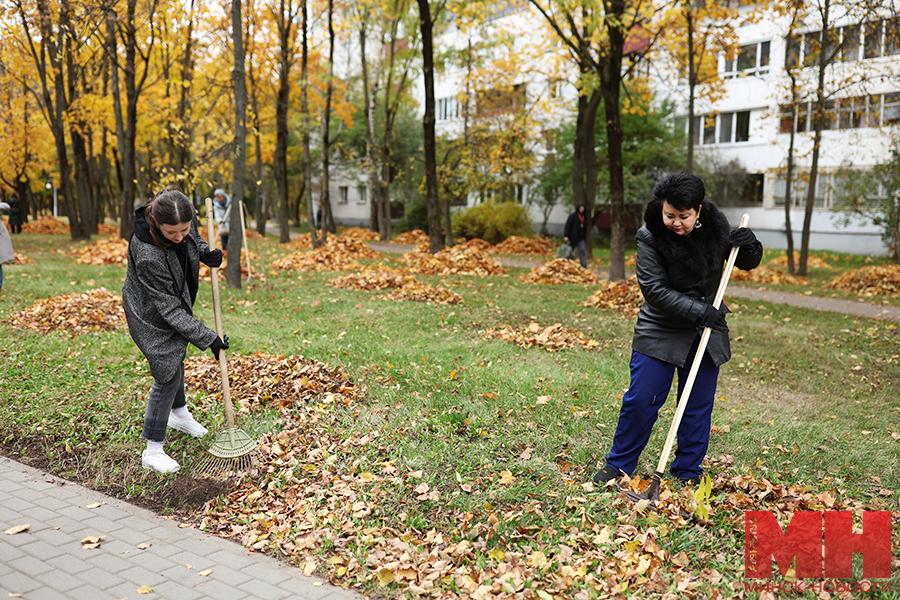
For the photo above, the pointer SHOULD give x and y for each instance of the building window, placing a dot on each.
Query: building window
(850, 44)
(892, 36)
(343, 192)
(891, 112)
(872, 44)
(361, 197)
(752, 59)
(825, 194)
(731, 127)
(446, 109)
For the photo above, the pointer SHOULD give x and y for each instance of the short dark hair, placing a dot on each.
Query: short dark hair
(682, 190)
(168, 207)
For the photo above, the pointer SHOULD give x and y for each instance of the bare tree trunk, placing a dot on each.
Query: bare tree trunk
(431, 187)
(369, 92)
(307, 154)
(611, 82)
(325, 196)
(281, 119)
(692, 86)
(239, 156)
(818, 123)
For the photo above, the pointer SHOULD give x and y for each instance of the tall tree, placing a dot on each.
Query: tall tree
(126, 129)
(284, 19)
(239, 156)
(432, 201)
(305, 117)
(594, 36)
(327, 142)
(52, 55)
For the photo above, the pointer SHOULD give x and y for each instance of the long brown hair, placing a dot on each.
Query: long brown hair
(168, 207)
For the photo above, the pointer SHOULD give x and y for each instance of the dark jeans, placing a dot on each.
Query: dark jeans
(163, 398)
(582, 255)
(651, 380)
(224, 237)
(16, 228)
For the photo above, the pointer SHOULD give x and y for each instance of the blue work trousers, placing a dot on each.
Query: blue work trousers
(651, 380)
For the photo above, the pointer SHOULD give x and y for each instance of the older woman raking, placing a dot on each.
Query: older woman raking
(681, 252)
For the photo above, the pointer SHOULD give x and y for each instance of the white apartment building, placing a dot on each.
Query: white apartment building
(747, 125)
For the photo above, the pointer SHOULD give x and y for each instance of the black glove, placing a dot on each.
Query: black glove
(213, 259)
(218, 345)
(712, 317)
(742, 238)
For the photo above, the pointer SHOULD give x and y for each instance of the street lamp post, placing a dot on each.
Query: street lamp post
(50, 186)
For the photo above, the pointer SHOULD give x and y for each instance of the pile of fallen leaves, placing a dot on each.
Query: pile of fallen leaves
(559, 270)
(553, 338)
(272, 381)
(869, 281)
(521, 245)
(361, 234)
(375, 277)
(623, 297)
(338, 254)
(457, 260)
(19, 259)
(812, 262)
(104, 229)
(479, 243)
(418, 291)
(46, 225)
(764, 274)
(416, 236)
(254, 264)
(108, 251)
(303, 241)
(95, 310)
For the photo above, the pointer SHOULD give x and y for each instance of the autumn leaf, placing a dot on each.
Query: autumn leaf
(17, 529)
(385, 576)
(145, 589)
(205, 573)
(506, 477)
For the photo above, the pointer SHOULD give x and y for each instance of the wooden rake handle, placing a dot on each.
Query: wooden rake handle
(217, 309)
(698, 358)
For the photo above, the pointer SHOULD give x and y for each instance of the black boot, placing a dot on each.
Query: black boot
(606, 474)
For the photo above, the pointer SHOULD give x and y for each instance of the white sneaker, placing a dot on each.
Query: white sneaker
(158, 460)
(189, 426)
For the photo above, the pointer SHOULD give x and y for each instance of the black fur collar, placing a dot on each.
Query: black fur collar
(700, 252)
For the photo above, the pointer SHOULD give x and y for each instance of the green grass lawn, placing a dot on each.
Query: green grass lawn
(809, 399)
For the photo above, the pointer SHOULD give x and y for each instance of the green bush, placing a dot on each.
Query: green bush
(493, 222)
(415, 216)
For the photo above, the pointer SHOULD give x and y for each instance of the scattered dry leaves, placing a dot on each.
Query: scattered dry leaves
(560, 270)
(552, 338)
(521, 245)
(812, 262)
(108, 251)
(623, 297)
(416, 236)
(266, 380)
(254, 264)
(418, 291)
(375, 277)
(869, 281)
(765, 274)
(95, 310)
(457, 260)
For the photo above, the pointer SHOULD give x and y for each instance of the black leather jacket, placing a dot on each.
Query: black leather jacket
(679, 276)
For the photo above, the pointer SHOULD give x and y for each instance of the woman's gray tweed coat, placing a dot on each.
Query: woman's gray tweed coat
(158, 304)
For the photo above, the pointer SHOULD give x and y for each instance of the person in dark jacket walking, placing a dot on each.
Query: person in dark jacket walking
(15, 214)
(576, 232)
(161, 283)
(681, 253)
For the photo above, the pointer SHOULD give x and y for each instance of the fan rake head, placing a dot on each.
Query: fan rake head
(229, 455)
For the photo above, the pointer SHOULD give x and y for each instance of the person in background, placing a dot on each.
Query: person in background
(681, 253)
(15, 214)
(576, 232)
(222, 214)
(6, 248)
(164, 255)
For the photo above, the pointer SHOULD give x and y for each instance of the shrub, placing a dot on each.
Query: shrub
(415, 216)
(493, 221)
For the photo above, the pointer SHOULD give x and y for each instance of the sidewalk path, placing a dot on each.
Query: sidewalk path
(47, 562)
(847, 307)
